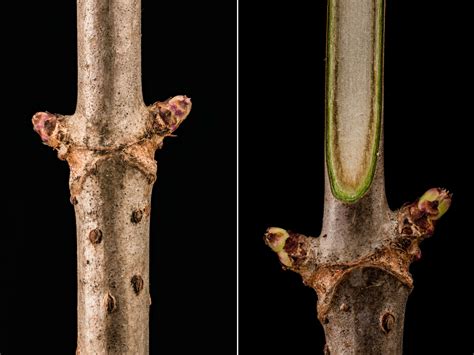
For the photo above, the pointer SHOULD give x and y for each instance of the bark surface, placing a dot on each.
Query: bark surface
(359, 265)
(109, 144)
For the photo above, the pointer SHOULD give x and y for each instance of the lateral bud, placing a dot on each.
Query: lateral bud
(435, 202)
(45, 124)
(417, 220)
(276, 238)
(51, 129)
(292, 248)
(168, 115)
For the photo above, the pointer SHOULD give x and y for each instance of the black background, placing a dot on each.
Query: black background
(428, 104)
(189, 47)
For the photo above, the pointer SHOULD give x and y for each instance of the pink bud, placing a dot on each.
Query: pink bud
(44, 124)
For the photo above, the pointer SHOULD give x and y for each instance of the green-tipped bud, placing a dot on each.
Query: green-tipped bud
(435, 202)
(285, 258)
(276, 240)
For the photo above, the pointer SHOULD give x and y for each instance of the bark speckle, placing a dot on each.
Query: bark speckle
(137, 284)
(73, 200)
(110, 303)
(344, 307)
(137, 216)
(95, 236)
(387, 322)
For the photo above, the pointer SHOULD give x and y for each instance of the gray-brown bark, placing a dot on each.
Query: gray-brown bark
(109, 144)
(359, 266)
